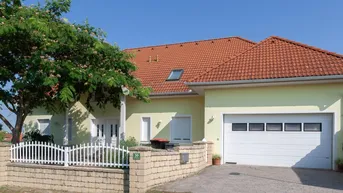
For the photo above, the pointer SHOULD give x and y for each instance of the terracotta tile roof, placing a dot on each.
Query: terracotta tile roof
(274, 58)
(193, 57)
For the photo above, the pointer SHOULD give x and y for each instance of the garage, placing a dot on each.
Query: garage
(288, 140)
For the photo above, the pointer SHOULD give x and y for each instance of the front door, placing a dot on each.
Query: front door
(105, 131)
(111, 135)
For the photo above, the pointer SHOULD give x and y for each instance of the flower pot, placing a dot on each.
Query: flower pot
(340, 167)
(216, 162)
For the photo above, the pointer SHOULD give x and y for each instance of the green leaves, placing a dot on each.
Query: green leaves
(58, 7)
(50, 62)
(67, 94)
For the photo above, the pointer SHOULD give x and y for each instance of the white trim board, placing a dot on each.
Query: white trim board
(334, 138)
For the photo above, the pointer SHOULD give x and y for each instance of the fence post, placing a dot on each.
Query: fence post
(140, 169)
(209, 152)
(66, 156)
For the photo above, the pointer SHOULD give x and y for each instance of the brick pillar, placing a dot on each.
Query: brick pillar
(200, 153)
(209, 152)
(4, 160)
(140, 169)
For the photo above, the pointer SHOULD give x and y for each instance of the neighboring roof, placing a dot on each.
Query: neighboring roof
(275, 58)
(156, 62)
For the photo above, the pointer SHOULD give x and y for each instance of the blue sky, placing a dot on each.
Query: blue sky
(151, 22)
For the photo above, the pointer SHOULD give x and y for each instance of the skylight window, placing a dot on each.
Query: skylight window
(175, 74)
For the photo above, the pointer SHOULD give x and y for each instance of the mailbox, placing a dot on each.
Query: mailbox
(184, 158)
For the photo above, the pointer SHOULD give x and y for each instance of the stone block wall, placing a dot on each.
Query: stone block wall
(151, 169)
(209, 147)
(157, 167)
(70, 179)
(4, 160)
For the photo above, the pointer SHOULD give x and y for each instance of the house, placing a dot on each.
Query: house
(8, 137)
(276, 102)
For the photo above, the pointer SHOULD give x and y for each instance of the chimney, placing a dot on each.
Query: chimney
(157, 59)
(150, 59)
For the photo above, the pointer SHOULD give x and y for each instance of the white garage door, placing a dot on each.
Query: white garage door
(291, 140)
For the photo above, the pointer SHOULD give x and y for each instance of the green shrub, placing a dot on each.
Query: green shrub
(2, 135)
(35, 135)
(129, 142)
(339, 161)
(216, 156)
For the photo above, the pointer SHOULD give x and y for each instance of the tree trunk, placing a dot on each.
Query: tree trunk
(16, 132)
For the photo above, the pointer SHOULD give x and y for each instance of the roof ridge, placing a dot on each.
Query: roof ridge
(308, 46)
(231, 58)
(195, 41)
(247, 40)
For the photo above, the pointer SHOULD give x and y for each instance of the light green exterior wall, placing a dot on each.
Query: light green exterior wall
(163, 109)
(81, 121)
(56, 123)
(291, 99)
(158, 109)
(300, 98)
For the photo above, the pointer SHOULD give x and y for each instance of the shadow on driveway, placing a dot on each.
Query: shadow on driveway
(236, 178)
(320, 178)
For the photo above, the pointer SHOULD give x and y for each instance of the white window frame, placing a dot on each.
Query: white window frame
(173, 71)
(39, 125)
(141, 130)
(70, 129)
(171, 127)
(93, 129)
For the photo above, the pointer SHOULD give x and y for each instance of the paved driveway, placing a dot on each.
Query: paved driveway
(233, 178)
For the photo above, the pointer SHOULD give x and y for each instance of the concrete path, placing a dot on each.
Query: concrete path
(234, 178)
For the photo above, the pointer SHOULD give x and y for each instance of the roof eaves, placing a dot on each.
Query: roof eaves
(291, 79)
(172, 94)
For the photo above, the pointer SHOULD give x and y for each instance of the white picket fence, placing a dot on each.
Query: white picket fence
(90, 154)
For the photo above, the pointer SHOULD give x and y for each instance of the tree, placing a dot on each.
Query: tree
(48, 62)
(0, 127)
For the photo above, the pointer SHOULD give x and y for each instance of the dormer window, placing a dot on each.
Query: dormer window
(175, 75)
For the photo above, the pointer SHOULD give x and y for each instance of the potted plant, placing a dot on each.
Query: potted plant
(339, 163)
(216, 159)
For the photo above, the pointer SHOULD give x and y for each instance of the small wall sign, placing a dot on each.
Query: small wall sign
(136, 156)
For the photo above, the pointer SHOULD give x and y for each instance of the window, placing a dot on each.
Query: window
(116, 131)
(239, 127)
(44, 126)
(292, 126)
(102, 130)
(313, 127)
(274, 126)
(70, 127)
(97, 130)
(146, 127)
(175, 74)
(111, 130)
(256, 126)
